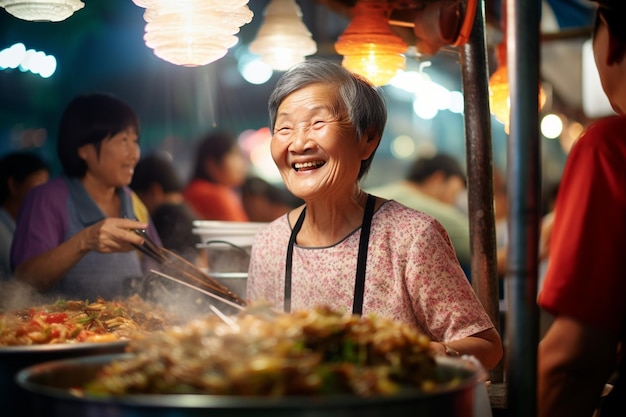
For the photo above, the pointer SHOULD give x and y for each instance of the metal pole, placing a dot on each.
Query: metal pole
(523, 185)
(475, 77)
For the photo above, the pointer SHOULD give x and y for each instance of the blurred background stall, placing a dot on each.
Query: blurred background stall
(101, 47)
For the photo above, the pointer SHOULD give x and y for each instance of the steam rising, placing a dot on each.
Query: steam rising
(15, 295)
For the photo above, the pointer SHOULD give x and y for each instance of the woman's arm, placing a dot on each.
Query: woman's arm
(574, 363)
(110, 235)
(486, 346)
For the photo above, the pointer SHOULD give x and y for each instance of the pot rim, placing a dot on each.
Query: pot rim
(61, 347)
(475, 375)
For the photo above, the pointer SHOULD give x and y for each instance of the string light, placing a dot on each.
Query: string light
(369, 46)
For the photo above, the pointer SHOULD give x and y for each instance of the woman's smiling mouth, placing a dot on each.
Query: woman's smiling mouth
(303, 166)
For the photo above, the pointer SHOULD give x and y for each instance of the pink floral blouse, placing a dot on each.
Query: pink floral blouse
(412, 275)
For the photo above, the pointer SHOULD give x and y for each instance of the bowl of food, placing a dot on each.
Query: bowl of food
(67, 329)
(270, 364)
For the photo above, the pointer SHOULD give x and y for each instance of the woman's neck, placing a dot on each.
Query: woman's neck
(105, 196)
(328, 222)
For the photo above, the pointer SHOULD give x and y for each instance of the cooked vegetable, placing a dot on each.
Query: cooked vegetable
(80, 321)
(303, 353)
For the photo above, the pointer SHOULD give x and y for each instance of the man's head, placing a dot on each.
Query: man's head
(609, 47)
(440, 176)
(155, 178)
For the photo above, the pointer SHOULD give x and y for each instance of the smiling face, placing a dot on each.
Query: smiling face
(314, 145)
(114, 165)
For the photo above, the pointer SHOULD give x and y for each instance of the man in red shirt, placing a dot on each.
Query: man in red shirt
(585, 286)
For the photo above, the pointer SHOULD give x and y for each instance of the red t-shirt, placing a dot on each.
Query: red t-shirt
(586, 277)
(211, 201)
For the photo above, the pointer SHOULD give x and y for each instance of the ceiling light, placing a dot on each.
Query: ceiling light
(193, 32)
(283, 40)
(369, 46)
(42, 10)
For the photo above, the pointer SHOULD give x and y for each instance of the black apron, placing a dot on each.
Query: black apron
(359, 284)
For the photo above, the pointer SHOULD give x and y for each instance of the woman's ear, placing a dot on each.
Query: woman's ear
(212, 169)
(370, 144)
(82, 152)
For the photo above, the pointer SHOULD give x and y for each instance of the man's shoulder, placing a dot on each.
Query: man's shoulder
(606, 127)
(416, 200)
(55, 190)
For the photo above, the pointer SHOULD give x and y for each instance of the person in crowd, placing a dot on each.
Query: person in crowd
(584, 288)
(74, 235)
(19, 173)
(159, 186)
(348, 249)
(265, 202)
(433, 185)
(213, 191)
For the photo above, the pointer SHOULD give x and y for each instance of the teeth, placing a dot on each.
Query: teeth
(303, 165)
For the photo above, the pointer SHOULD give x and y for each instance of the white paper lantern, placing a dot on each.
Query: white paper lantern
(42, 10)
(283, 40)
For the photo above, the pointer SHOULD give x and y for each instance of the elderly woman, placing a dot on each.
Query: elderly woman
(345, 248)
(74, 234)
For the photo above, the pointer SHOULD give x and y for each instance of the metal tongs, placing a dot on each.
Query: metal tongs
(178, 269)
(149, 248)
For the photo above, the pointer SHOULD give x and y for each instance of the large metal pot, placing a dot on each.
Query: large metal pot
(15, 358)
(51, 396)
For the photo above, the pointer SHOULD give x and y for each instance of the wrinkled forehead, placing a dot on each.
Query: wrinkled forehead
(321, 96)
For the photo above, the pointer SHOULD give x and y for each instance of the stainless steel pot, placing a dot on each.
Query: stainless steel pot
(51, 396)
(14, 399)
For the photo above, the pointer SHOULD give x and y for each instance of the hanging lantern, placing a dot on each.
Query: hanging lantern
(193, 32)
(499, 96)
(42, 10)
(369, 46)
(499, 100)
(283, 40)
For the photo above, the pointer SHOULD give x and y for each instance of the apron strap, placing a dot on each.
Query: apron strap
(359, 283)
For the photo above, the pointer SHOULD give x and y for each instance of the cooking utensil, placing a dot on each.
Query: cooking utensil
(176, 266)
(52, 395)
(210, 294)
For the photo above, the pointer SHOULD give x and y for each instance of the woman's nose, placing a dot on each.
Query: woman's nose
(301, 140)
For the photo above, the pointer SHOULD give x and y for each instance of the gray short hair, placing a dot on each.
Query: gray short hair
(363, 103)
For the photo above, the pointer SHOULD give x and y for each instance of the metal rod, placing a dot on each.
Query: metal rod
(224, 318)
(223, 300)
(475, 78)
(523, 186)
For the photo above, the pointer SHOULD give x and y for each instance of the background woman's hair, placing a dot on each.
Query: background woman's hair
(89, 119)
(18, 165)
(213, 146)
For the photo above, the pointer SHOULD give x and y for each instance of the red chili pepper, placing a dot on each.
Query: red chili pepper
(54, 317)
(55, 333)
